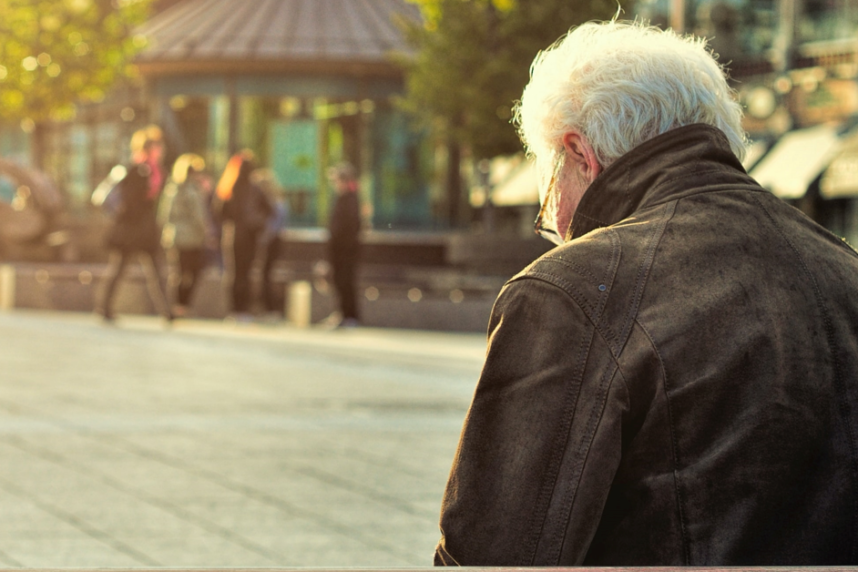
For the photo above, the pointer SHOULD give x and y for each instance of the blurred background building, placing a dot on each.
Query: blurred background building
(307, 83)
(793, 64)
(302, 83)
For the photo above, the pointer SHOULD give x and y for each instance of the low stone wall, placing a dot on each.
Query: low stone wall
(423, 300)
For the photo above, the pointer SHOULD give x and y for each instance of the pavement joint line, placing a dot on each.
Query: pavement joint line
(187, 516)
(372, 458)
(306, 470)
(362, 454)
(162, 391)
(230, 484)
(354, 487)
(467, 347)
(266, 498)
(9, 561)
(79, 524)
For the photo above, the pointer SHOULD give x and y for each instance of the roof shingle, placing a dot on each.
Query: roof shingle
(359, 31)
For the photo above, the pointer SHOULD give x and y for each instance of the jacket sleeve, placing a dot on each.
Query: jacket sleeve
(538, 451)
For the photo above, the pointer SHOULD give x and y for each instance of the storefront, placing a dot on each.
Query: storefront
(301, 85)
(297, 126)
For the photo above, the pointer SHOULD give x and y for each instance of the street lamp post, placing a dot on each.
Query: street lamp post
(677, 16)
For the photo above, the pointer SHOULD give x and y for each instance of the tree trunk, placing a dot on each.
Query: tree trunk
(37, 146)
(454, 184)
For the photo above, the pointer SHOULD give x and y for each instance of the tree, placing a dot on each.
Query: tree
(473, 59)
(57, 53)
(471, 63)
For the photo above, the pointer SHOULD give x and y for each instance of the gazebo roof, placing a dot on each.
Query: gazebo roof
(198, 36)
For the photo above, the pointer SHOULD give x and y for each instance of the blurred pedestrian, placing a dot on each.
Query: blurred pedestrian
(270, 241)
(213, 250)
(244, 208)
(184, 215)
(344, 243)
(134, 230)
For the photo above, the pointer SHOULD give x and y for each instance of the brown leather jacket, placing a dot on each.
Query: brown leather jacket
(676, 385)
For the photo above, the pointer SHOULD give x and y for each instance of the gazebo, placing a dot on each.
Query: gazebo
(302, 83)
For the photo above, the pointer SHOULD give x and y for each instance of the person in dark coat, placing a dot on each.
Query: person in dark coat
(676, 384)
(134, 230)
(271, 241)
(244, 207)
(344, 242)
(184, 215)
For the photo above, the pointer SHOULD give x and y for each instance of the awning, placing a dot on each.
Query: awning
(787, 169)
(840, 179)
(755, 151)
(518, 186)
(797, 159)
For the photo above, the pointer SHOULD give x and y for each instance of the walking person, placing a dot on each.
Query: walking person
(244, 208)
(186, 232)
(344, 242)
(134, 231)
(270, 241)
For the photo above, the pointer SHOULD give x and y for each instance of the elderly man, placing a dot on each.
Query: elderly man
(675, 384)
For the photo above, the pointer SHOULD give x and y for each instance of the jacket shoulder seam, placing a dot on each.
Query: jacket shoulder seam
(589, 310)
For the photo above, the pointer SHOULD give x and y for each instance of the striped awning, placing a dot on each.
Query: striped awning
(840, 179)
(798, 158)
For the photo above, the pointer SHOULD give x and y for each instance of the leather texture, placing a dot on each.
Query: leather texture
(676, 385)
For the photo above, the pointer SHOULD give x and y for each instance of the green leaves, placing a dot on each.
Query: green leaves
(56, 53)
(473, 60)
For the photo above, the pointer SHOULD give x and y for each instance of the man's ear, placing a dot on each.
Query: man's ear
(581, 154)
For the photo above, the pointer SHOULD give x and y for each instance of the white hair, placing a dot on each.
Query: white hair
(620, 84)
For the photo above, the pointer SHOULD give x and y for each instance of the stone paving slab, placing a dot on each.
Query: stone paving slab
(224, 445)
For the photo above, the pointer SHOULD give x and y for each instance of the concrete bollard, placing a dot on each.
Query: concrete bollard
(299, 303)
(7, 288)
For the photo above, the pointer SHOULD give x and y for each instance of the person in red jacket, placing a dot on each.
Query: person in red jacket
(246, 210)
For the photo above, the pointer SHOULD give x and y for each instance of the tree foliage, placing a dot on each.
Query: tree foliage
(472, 61)
(56, 53)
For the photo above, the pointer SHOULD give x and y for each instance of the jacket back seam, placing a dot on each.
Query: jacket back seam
(581, 301)
(675, 453)
(644, 269)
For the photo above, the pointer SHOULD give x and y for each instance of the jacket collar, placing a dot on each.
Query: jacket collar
(678, 163)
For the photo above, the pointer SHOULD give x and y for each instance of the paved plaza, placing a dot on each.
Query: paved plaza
(216, 445)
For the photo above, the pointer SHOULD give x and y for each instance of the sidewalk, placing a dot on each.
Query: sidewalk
(209, 445)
